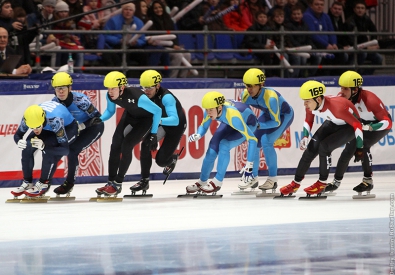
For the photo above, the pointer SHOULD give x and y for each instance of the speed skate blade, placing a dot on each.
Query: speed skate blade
(187, 196)
(94, 199)
(58, 198)
(267, 195)
(34, 200)
(146, 196)
(207, 196)
(14, 200)
(367, 196)
(284, 197)
(313, 198)
(109, 199)
(245, 192)
(330, 193)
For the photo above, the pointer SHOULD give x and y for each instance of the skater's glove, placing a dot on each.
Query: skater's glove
(81, 126)
(152, 142)
(22, 144)
(247, 172)
(194, 137)
(303, 143)
(367, 127)
(358, 155)
(95, 121)
(37, 143)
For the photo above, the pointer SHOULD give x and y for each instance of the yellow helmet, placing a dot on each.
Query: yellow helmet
(254, 76)
(212, 100)
(61, 79)
(34, 116)
(115, 79)
(150, 78)
(350, 79)
(311, 89)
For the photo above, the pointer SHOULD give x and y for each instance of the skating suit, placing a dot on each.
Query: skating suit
(140, 117)
(172, 127)
(341, 125)
(372, 112)
(238, 123)
(82, 109)
(275, 117)
(59, 131)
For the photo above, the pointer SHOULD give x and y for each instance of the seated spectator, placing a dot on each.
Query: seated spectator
(234, 19)
(282, 5)
(318, 20)
(193, 19)
(91, 21)
(296, 23)
(363, 23)
(212, 17)
(259, 41)
(142, 10)
(6, 51)
(67, 41)
(162, 21)
(249, 8)
(75, 8)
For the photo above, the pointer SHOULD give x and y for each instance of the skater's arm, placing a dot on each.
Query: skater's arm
(273, 104)
(146, 103)
(110, 111)
(172, 118)
(202, 130)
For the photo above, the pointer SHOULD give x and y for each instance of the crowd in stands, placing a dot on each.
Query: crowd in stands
(17, 16)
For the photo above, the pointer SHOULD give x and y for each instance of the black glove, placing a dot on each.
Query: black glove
(358, 155)
(151, 141)
(96, 120)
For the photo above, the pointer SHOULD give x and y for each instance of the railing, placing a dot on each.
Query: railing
(207, 66)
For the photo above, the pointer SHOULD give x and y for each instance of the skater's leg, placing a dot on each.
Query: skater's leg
(145, 161)
(344, 160)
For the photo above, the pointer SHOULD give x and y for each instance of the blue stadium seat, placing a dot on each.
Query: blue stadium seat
(224, 41)
(237, 39)
(200, 46)
(188, 42)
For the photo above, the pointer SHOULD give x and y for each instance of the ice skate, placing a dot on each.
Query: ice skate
(99, 192)
(365, 186)
(212, 187)
(142, 185)
(287, 190)
(270, 184)
(170, 168)
(20, 191)
(64, 189)
(192, 189)
(332, 187)
(316, 189)
(111, 191)
(37, 192)
(245, 188)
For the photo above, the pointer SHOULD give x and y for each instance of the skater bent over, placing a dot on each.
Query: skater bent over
(171, 129)
(140, 118)
(53, 130)
(376, 122)
(341, 126)
(90, 126)
(238, 122)
(275, 117)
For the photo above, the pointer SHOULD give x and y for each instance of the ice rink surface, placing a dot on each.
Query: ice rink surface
(230, 235)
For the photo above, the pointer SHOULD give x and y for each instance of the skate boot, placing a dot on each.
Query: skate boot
(195, 187)
(289, 189)
(65, 188)
(252, 184)
(143, 184)
(21, 189)
(332, 186)
(316, 189)
(100, 190)
(365, 186)
(270, 183)
(211, 187)
(169, 169)
(112, 188)
(38, 190)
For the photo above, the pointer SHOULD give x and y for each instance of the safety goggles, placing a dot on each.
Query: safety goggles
(249, 85)
(38, 128)
(148, 88)
(63, 88)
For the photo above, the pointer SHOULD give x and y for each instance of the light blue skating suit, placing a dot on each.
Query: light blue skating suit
(275, 117)
(238, 123)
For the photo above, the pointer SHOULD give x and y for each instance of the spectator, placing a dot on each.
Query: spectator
(75, 8)
(234, 19)
(142, 10)
(317, 20)
(296, 23)
(30, 6)
(249, 8)
(192, 20)
(259, 41)
(363, 23)
(67, 41)
(162, 21)
(211, 16)
(6, 51)
(92, 21)
(282, 5)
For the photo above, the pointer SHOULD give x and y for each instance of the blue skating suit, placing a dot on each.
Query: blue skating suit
(238, 122)
(82, 109)
(59, 130)
(275, 117)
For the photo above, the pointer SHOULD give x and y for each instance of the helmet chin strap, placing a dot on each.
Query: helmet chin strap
(219, 112)
(318, 105)
(354, 96)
